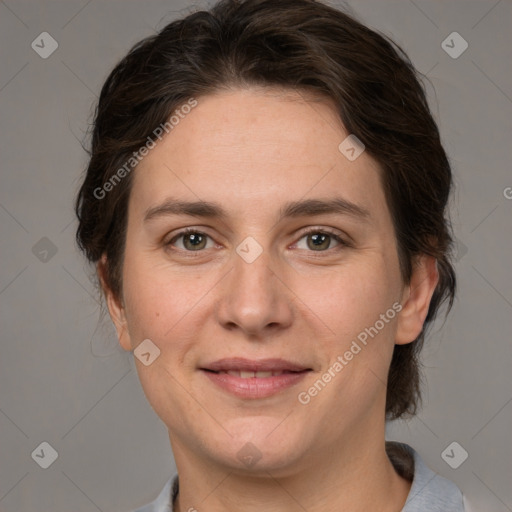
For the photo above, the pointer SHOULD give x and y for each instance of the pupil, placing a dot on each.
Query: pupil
(195, 239)
(318, 239)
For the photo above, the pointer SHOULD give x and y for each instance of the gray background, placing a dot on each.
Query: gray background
(64, 380)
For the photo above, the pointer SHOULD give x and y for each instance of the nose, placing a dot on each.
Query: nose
(254, 299)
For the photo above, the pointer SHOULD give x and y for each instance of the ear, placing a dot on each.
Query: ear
(416, 299)
(115, 305)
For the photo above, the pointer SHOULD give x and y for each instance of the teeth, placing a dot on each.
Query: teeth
(262, 375)
(250, 375)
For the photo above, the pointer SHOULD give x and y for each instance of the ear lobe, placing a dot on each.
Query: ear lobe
(416, 299)
(115, 307)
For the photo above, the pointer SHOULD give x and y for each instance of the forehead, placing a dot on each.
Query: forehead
(245, 148)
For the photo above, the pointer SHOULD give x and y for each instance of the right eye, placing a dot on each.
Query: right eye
(192, 240)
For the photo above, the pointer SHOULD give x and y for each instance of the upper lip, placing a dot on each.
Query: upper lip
(247, 365)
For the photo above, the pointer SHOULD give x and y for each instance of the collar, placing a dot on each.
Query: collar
(429, 491)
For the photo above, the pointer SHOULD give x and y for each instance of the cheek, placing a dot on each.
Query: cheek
(159, 308)
(163, 304)
(350, 303)
(351, 298)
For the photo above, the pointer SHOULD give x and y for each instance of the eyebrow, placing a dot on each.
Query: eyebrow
(307, 207)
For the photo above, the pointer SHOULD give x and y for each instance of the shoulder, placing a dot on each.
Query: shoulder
(163, 502)
(431, 492)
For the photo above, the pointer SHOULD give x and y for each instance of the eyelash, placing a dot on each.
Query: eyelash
(342, 243)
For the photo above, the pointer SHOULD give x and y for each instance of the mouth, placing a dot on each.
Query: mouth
(243, 374)
(254, 379)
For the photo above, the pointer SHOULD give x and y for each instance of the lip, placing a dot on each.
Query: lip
(284, 374)
(248, 365)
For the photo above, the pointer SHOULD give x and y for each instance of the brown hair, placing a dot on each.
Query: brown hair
(302, 45)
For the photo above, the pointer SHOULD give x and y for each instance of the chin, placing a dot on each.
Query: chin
(259, 445)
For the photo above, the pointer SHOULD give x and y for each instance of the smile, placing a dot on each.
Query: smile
(248, 379)
(250, 375)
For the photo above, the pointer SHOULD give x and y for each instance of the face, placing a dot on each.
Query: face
(290, 261)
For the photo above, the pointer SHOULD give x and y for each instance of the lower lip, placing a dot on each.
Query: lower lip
(254, 387)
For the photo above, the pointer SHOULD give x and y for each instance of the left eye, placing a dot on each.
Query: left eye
(319, 241)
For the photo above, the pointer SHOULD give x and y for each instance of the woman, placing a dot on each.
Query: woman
(265, 203)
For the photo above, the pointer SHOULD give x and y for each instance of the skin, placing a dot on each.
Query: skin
(253, 150)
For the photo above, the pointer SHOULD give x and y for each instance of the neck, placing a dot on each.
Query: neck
(358, 478)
